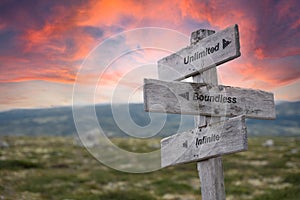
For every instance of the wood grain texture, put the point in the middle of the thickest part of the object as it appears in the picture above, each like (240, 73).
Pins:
(210, 171)
(203, 55)
(212, 179)
(198, 98)
(217, 139)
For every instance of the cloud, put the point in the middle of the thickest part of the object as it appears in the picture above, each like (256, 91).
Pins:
(2, 26)
(69, 32)
(261, 74)
(48, 40)
(288, 92)
(24, 69)
(278, 30)
(47, 37)
(269, 32)
(33, 94)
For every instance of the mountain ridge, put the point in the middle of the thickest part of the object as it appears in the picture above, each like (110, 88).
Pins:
(59, 121)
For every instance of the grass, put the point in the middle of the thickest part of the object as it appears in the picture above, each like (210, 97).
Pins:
(168, 186)
(18, 164)
(126, 195)
(292, 193)
(54, 168)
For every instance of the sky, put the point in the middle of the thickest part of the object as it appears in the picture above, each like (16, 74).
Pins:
(105, 48)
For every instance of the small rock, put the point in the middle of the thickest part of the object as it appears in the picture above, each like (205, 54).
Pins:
(4, 144)
(88, 139)
(294, 151)
(268, 143)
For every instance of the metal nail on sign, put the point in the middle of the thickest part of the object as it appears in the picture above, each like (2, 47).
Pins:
(209, 52)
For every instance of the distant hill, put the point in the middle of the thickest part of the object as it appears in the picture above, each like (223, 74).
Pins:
(287, 122)
(59, 121)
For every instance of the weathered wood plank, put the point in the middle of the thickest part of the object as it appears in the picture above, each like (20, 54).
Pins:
(217, 139)
(211, 170)
(195, 98)
(207, 53)
(212, 179)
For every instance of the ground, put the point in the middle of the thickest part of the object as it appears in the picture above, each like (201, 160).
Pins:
(55, 168)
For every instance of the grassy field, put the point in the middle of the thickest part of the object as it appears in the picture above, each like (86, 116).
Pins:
(54, 168)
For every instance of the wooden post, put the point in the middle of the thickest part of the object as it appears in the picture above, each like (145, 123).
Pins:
(210, 171)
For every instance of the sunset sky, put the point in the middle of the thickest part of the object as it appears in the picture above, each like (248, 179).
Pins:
(43, 45)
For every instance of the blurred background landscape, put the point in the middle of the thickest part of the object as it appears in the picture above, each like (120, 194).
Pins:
(59, 121)
(40, 158)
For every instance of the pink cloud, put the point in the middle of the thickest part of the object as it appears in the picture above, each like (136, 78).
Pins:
(52, 39)
(51, 46)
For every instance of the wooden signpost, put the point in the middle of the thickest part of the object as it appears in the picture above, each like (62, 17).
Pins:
(209, 101)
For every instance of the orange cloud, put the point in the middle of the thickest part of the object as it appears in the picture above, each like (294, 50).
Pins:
(2, 26)
(51, 46)
(259, 74)
(60, 79)
(21, 69)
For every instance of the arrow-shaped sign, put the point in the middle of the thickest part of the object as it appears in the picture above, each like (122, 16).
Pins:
(194, 98)
(221, 138)
(211, 51)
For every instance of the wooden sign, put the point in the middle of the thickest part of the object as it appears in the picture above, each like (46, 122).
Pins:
(207, 53)
(198, 98)
(217, 139)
